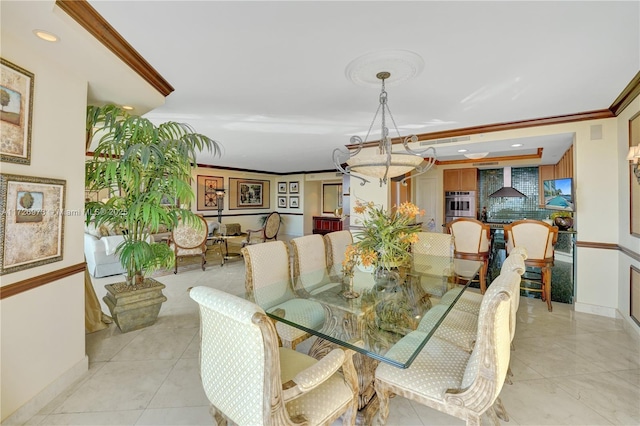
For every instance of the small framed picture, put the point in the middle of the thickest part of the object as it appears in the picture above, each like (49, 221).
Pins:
(282, 189)
(293, 188)
(282, 202)
(293, 202)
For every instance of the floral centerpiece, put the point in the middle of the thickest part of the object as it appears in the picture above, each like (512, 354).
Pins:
(386, 237)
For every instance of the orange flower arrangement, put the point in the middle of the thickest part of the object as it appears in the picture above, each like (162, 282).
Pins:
(385, 238)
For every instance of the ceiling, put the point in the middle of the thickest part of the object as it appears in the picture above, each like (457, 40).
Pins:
(267, 79)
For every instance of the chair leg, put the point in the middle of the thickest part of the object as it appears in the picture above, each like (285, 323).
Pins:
(175, 267)
(204, 260)
(499, 410)
(546, 286)
(483, 276)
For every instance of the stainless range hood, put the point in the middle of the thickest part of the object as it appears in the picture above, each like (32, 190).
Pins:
(507, 190)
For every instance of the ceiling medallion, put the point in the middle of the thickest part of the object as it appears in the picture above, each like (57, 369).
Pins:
(403, 65)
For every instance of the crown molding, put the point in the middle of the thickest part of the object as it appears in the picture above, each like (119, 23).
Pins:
(85, 15)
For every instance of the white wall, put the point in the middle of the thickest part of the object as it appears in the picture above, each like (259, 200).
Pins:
(42, 329)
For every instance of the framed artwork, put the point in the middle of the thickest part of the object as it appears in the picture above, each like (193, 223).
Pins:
(207, 187)
(16, 98)
(634, 298)
(34, 211)
(293, 187)
(293, 202)
(168, 200)
(249, 194)
(282, 188)
(90, 196)
(282, 202)
(634, 182)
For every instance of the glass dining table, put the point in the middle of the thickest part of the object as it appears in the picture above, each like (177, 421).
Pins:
(388, 308)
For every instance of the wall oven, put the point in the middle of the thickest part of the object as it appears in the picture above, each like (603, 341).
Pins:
(460, 204)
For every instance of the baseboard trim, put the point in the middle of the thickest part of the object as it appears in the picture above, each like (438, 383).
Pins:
(45, 396)
(602, 311)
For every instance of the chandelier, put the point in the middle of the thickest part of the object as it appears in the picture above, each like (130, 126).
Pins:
(384, 164)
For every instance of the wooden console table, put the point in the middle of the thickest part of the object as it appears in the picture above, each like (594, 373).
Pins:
(325, 224)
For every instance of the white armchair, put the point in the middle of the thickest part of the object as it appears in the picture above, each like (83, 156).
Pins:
(449, 379)
(310, 265)
(250, 381)
(268, 283)
(336, 244)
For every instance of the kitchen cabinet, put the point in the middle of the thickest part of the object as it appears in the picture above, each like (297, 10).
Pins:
(325, 224)
(563, 169)
(460, 179)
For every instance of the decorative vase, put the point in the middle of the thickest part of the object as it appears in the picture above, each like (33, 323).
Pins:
(349, 293)
(135, 307)
(563, 222)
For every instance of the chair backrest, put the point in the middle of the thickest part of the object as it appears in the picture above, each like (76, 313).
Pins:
(514, 263)
(272, 226)
(309, 262)
(470, 235)
(336, 244)
(190, 235)
(487, 367)
(239, 362)
(537, 237)
(433, 243)
(267, 273)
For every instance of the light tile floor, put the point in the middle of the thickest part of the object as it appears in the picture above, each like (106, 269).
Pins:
(569, 368)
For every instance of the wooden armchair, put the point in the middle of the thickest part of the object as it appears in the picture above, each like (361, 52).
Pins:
(189, 239)
(539, 239)
(269, 232)
(268, 283)
(472, 240)
(250, 381)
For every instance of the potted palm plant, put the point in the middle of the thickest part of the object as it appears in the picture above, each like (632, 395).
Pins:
(141, 165)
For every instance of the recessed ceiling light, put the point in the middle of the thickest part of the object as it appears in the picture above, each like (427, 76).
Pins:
(127, 107)
(516, 145)
(46, 35)
(462, 150)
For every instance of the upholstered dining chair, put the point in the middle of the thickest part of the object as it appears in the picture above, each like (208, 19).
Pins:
(432, 259)
(450, 379)
(268, 232)
(539, 239)
(310, 265)
(250, 381)
(268, 283)
(472, 240)
(336, 244)
(189, 239)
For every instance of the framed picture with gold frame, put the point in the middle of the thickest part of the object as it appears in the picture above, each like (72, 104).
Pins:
(249, 194)
(34, 211)
(16, 96)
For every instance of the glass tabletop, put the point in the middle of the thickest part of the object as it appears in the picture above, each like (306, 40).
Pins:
(412, 302)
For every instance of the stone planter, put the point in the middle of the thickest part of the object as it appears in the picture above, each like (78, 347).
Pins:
(135, 307)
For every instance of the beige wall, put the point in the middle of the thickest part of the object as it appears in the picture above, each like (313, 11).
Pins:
(42, 330)
(293, 220)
